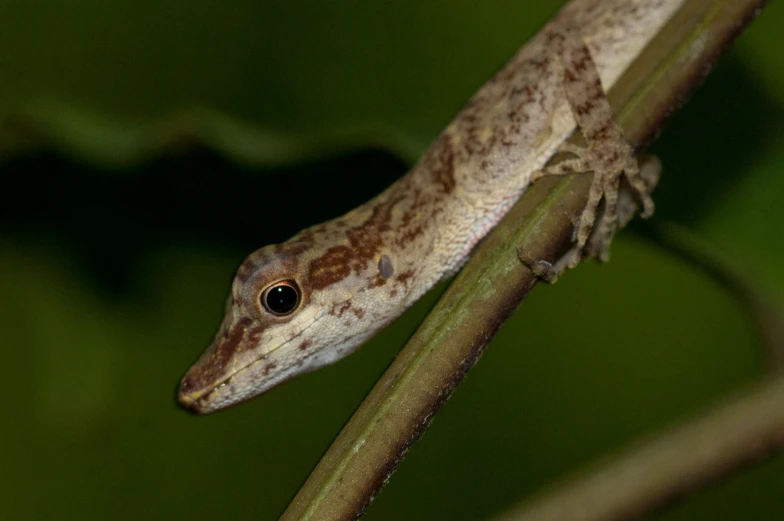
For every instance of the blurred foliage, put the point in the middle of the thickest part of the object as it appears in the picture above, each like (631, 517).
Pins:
(148, 146)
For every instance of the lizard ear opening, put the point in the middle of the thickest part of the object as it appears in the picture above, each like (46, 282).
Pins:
(281, 298)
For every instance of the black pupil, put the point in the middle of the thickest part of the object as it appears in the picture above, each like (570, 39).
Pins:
(282, 299)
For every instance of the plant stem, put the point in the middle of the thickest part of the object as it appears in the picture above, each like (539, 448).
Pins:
(741, 431)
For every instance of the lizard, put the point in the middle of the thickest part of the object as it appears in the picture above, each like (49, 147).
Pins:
(313, 299)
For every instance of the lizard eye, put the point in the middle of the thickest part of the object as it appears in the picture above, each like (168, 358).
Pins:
(281, 298)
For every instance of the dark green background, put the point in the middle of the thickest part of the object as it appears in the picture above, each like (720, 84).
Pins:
(148, 146)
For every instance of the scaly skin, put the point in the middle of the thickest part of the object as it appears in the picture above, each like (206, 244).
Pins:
(358, 272)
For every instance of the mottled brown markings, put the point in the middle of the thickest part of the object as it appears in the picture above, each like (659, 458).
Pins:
(377, 282)
(211, 370)
(527, 92)
(242, 275)
(299, 244)
(602, 133)
(408, 216)
(417, 200)
(582, 64)
(338, 309)
(520, 97)
(408, 236)
(230, 340)
(269, 367)
(333, 266)
(584, 109)
(524, 95)
(189, 383)
(541, 63)
(364, 243)
(246, 269)
(305, 344)
(254, 334)
(284, 255)
(421, 201)
(404, 277)
(440, 161)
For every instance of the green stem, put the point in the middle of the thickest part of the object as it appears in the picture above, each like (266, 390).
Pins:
(743, 430)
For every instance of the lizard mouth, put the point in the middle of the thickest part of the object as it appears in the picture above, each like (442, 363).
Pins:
(227, 392)
(209, 373)
(209, 385)
(196, 399)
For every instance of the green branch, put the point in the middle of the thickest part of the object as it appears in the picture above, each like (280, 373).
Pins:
(743, 430)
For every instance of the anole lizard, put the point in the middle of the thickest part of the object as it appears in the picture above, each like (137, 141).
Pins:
(315, 298)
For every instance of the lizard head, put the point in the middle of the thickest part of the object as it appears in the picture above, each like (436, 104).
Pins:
(289, 312)
(302, 304)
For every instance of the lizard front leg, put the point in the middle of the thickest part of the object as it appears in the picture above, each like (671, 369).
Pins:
(607, 153)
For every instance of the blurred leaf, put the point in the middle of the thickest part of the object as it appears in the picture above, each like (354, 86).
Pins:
(106, 82)
(761, 51)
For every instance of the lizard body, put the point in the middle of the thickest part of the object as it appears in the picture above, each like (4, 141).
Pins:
(313, 299)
